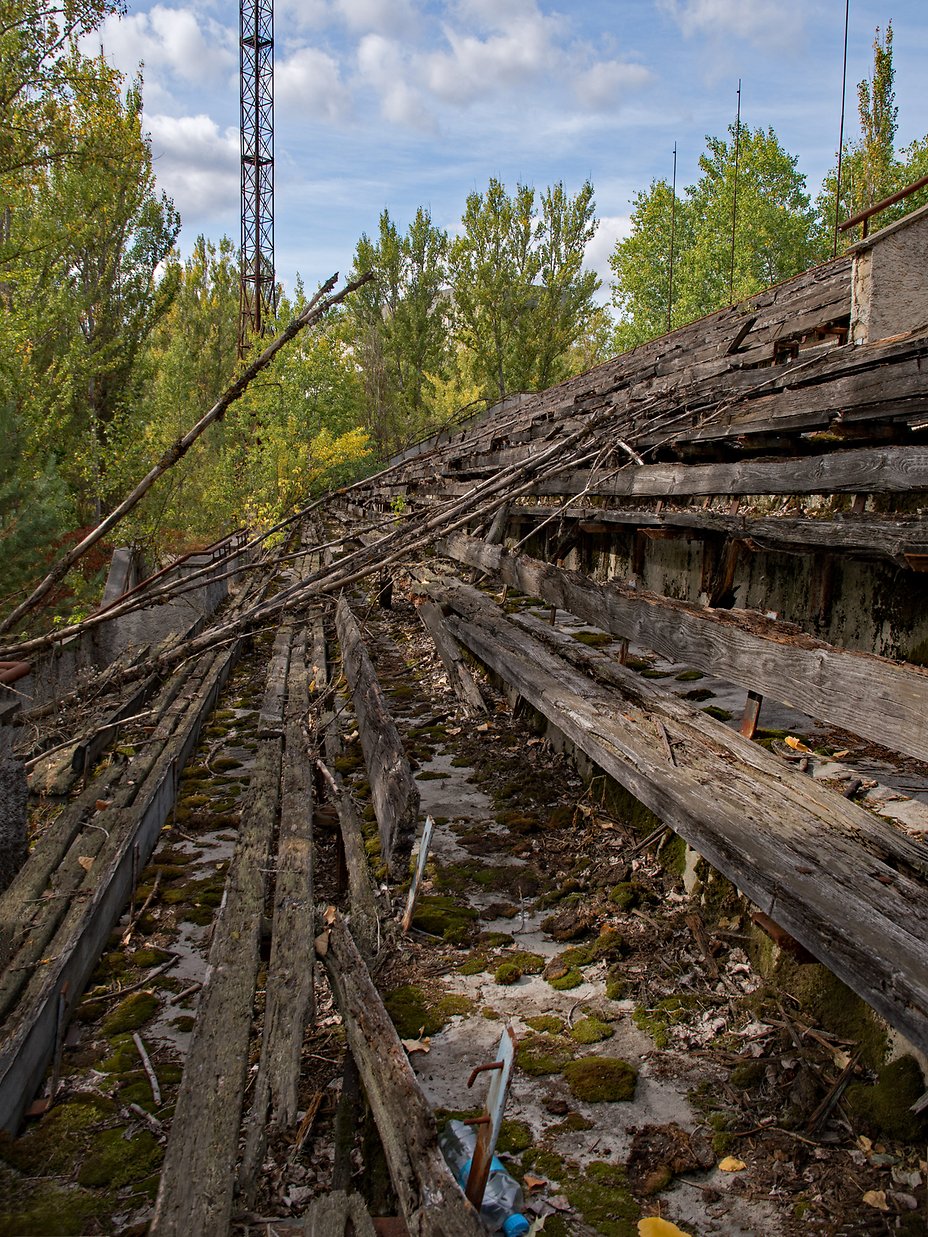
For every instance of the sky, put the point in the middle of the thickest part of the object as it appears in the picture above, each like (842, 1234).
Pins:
(404, 103)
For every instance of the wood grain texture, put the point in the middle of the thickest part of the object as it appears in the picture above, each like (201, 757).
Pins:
(820, 866)
(393, 791)
(871, 696)
(430, 1201)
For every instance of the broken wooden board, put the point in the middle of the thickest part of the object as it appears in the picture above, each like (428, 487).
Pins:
(197, 1178)
(430, 1200)
(865, 694)
(822, 867)
(393, 791)
(460, 678)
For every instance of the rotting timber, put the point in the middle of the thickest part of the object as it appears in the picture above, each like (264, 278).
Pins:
(637, 499)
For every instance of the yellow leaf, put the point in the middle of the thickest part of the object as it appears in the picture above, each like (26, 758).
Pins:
(796, 744)
(731, 1165)
(654, 1226)
(85, 861)
(877, 1199)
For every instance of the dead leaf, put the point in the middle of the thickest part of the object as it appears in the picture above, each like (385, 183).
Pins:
(329, 915)
(654, 1226)
(103, 804)
(841, 755)
(559, 1203)
(85, 861)
(876, 1199)
(797, 744)
(731, 1165)
(533, 1183)
(454, 730)
(417, 1045)
(485, 726)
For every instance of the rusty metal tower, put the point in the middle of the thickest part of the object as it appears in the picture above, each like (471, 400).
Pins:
(257, 295)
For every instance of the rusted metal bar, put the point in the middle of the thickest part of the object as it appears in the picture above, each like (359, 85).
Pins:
(865, 215)
(489, 1124)
(751, 714)
(11, 671)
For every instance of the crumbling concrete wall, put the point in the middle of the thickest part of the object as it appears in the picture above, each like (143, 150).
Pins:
(889, 293)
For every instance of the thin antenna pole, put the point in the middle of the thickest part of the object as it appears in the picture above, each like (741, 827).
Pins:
(734, 201)
(673, 223)
(834, 247)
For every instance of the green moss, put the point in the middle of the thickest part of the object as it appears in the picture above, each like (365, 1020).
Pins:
(184, 1023)
(573, 1123)
(528, 963)
(124, 1057)
(47, 1210)
(591, 1031)
(507, 973)
(431, 775)
(720, 715)
(597, 1080)
(146, 958)
(514, 1136)
(413, 1013)
(495, 940)
(460, 762)
(130, 1014)
(689, 676)
(600, 1193)
(673, 854)
(223, 763)
(117, 1161)
(545, 1162)
(491, 1014)
(543, 1054)
(52, 1146)
(474, 964)
(698, 694)
(616, 984)
(626, 894)
(667, 1013)
(594, 639)
(885, 1107)
(748, 1075)
(442, 916)
(546, 1022)
(571, 978)
(656, 674)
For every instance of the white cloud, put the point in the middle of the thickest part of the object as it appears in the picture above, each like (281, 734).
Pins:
(300, 15)
(521, 43)
(759, 21)
(383, 66)
(603, 86)
(612, 228)
(389, 17)
(310, 80)
(176, 41)
(196, 164)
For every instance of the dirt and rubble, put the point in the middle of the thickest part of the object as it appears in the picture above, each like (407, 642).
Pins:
(665, 1065)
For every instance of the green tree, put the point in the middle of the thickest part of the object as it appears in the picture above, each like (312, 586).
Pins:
(774, 236)
(398, 326)
(640, 263)
(521, 297)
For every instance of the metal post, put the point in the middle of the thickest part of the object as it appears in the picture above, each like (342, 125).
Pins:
(734, 202)
(834, 248)
(673, 221)
(257, 292)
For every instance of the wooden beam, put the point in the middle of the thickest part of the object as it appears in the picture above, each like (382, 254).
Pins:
(822, 867)
(393, 791)
(430, 1200)
(873, 470)
(871, 696)
(901, 538)
(197, 1179)
(460, 678)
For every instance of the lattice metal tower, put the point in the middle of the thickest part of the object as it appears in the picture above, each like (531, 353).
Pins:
(257, 297)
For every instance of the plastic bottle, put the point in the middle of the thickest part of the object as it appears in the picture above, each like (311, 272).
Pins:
(502, 1199)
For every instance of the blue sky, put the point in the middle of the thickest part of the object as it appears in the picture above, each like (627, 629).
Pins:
(402, 103)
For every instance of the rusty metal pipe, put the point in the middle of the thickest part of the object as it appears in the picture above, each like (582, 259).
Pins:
(11, 671)
(864, 215)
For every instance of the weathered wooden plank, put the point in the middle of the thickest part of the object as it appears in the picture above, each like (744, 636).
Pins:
(805, 856)
(289, 987)
(854, 534)
(460, 678)
(430, 1201)
(336, 1215)
(867, 695)
(197, 1179)
(393, 791)
(868, 470)
(121, 842)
